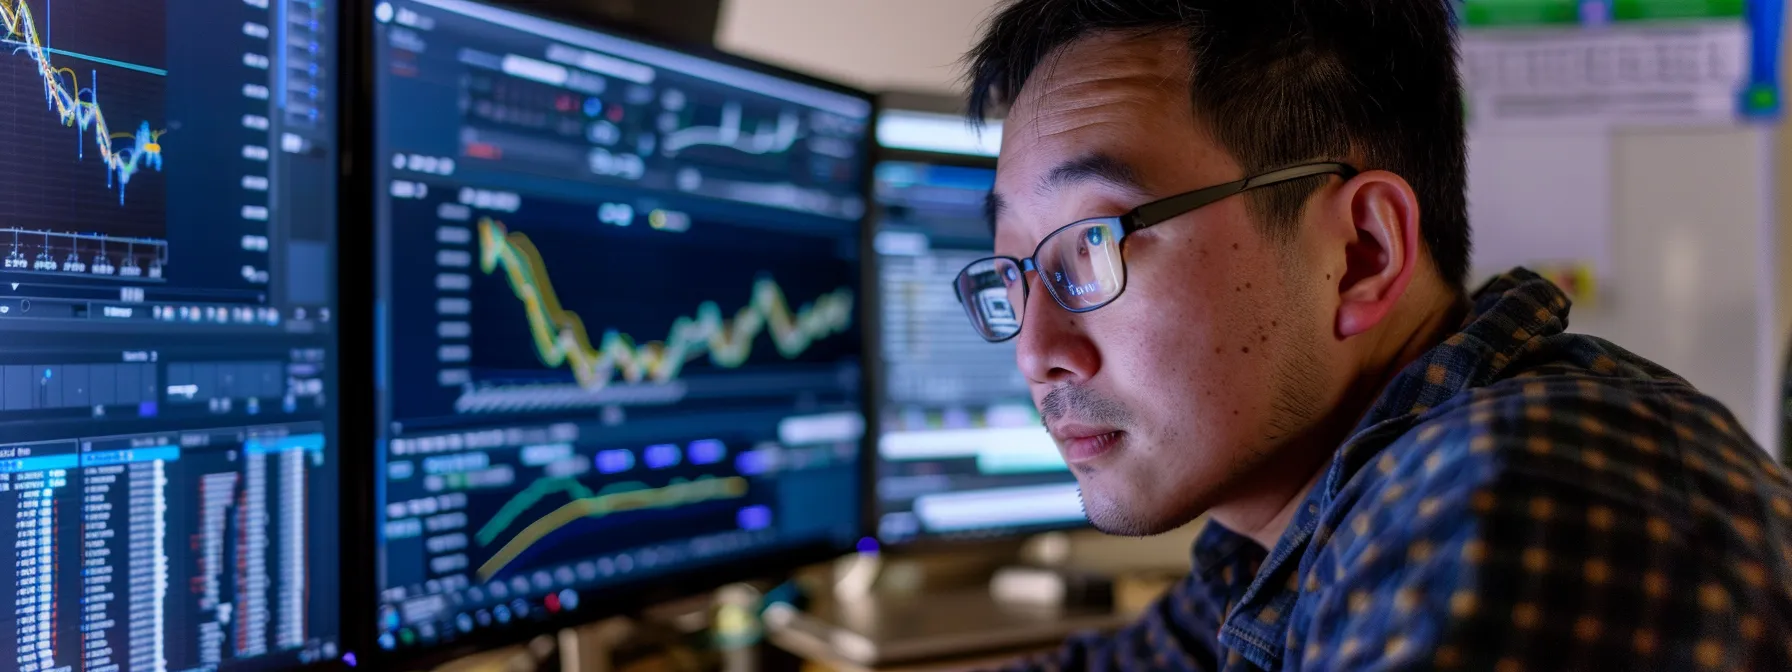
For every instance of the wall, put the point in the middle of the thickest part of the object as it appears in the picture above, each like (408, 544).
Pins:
(875, 44)
(1782, 246)
(1685, 288)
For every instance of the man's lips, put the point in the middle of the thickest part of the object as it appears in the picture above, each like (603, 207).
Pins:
(1084, 443)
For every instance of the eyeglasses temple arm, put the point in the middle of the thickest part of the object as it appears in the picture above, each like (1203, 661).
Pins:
(1158, 211)
(1297, 172)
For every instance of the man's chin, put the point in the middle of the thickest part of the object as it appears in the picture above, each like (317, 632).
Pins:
(1122, 526)
(1123, 519)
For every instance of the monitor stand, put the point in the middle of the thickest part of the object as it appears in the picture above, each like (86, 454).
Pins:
(868, 622)
(678, 635)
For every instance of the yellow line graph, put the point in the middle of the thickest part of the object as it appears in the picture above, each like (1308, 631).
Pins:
(63, 93)
(677, 494)
(560, 337)
(519, 504)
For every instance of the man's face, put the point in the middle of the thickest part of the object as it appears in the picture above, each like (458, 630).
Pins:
(1181, 390)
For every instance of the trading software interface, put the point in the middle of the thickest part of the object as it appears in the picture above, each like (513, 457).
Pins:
(618, 316)
(963, 452)
(167, 476)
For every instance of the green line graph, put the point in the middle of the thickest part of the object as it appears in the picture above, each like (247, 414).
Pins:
(632, 497)
(533, 494)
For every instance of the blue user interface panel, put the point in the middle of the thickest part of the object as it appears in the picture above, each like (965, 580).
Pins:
(618, 300)
(168, 466)
(963, 454)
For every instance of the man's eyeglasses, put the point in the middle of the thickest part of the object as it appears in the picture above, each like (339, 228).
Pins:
(1081, 264)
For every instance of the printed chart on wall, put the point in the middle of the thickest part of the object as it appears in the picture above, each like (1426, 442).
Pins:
(1546, 82)
(1549, 63)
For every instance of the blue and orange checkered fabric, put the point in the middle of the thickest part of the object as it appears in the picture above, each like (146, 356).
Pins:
(1519, 498)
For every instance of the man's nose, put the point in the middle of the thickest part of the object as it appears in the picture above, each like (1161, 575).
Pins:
(1052, 347)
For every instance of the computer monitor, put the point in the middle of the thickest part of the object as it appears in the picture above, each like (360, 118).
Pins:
(619, 297)
(962, 452)
(168, 449)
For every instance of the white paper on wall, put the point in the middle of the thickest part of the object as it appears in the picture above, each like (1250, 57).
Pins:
(1540, 199)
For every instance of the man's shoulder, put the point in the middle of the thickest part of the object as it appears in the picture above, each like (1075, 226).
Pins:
(1634, 436)
(1512, 397)
(1619, 428)
(1571, 446)
(1546, 501)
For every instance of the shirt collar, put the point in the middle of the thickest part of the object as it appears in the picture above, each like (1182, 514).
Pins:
(1215, 548)
(1511, 315)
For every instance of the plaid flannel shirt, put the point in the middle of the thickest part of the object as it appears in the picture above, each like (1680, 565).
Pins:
(1519, 498)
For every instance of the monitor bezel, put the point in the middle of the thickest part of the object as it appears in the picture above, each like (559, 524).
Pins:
(1002, 539)
(356, 315)
(361, 194)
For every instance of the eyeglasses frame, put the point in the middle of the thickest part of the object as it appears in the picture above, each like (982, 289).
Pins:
(1147, 215)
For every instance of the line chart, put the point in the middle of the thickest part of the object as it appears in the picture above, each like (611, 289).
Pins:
(124, 153)
(727, 133)
(533, 494)
(678, 493)
(561, 339)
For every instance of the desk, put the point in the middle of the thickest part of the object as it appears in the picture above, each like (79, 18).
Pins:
(821, 660)
(967, 664)
(1133, 593)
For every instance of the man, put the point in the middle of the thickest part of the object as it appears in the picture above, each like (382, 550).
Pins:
(1399, 474)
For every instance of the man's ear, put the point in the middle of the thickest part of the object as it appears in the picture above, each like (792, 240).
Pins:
(1382, 212)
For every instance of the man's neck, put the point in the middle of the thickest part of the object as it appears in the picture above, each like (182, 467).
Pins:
(1271, 502)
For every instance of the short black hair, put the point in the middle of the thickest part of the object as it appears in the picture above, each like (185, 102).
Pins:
(1281, 82)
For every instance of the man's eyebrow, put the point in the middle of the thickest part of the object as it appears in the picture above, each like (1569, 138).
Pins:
(1095, 167)
(993, 206)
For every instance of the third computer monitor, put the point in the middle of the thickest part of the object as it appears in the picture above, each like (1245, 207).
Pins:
(619, 320)
(963, 454)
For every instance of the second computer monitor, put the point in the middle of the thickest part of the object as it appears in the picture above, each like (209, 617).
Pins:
(963, 454)
(620, 338)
